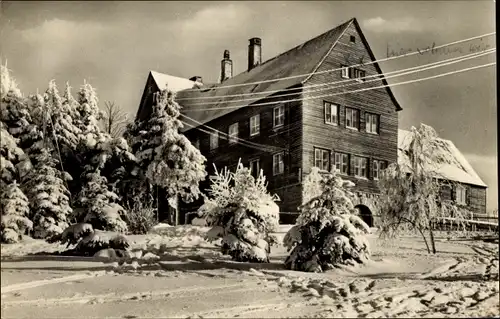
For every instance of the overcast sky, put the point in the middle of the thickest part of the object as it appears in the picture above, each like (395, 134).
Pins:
(113, 45)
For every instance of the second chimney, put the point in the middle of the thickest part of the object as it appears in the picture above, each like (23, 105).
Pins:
(254, 53)
(226, 67)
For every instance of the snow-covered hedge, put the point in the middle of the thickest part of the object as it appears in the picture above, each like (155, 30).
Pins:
(328, 232)
(242, 213)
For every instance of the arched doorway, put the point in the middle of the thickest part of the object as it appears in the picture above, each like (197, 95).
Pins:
(365, 214)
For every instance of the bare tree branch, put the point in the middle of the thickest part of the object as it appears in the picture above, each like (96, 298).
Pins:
(114, 120)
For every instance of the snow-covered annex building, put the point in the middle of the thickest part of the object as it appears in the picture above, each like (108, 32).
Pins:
(302, 121)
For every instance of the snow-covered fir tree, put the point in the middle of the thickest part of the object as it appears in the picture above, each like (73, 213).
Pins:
(327, 232)
(100, 206)
(14, 163)
(89, 114)
(167, 157)
(15, 210)
(48, 196)
(242, 213)
(15, 112)
(60, 114)
(312, 185)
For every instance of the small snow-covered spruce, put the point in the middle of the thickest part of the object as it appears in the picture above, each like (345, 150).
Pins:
(49, 198)
(328, 233)
(242, 213)
(167, 157)
(87, 241)
(15, 209)
(99, 205)
(410, 190)
(107, 164)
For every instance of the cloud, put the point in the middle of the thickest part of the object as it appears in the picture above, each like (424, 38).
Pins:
(396, 25)
(213, 23)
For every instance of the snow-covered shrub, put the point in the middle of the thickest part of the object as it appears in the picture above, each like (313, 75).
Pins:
(140, 217)
(49, 198)
(239, 209)
(87, 241)
(15, 209)
(327, 232)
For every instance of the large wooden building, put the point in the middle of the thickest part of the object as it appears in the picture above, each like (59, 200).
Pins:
(317, 114)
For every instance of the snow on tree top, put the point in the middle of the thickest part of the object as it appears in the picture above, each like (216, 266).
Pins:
(461, 171)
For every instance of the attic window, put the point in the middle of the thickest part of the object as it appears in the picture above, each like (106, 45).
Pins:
(353, 39)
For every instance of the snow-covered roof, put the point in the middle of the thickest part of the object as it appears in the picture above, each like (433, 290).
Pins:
(174, 83)
(292, 67)
(461, 172)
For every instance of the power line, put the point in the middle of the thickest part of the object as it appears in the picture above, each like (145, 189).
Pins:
(226, 138)
(221, 97)
(234, 138)
(356, 65)
(348, 92)
(401, 72)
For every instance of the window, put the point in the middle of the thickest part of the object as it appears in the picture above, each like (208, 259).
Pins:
(197, 143)
(322, 159)
(360, 167)
(378, 167)
(255, 125)
(353, 39)
(279, 116)
(352, 118)
(345, 72)
(278, 164)
(331, 113)
(372, 121)
(358, 74)
(214, 140)
(342, 163)
(255, 167)
(461, 195)
(233, 133)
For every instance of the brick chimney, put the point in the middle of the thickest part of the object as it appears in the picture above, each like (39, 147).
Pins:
(226, 67)
(254, 53)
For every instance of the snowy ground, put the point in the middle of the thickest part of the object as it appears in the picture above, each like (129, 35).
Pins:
(192, 279)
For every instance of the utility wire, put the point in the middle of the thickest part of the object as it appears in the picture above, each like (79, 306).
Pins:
(226, 138)
(401, 72)
(356, 65)
(378, 75)
(348, 92)
(241, 141)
